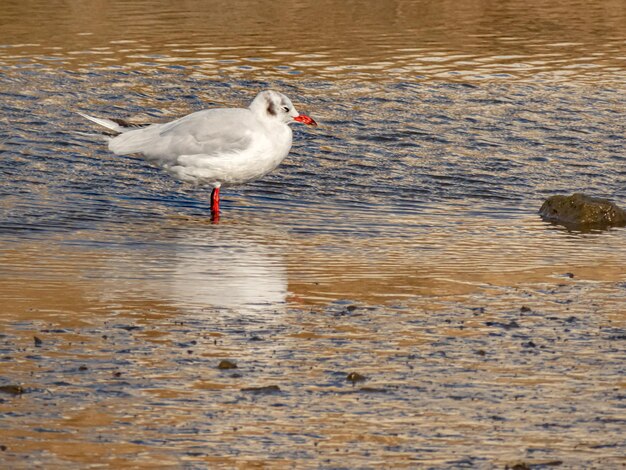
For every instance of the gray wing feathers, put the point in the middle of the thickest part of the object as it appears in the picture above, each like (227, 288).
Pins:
(210, 132)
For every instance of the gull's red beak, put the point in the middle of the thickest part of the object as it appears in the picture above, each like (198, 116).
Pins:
(304, 119)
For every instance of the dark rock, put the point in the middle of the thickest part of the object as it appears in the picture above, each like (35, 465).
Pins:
(518, 466)
(506, 326)
(372, 390)
(12, 389)
(531, 465)
(226, 364)
(355, 377)
(128, 327)
(582, 211)
(262, 390)
(37, 341)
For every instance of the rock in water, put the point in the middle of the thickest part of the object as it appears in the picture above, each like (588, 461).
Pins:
(582, 211)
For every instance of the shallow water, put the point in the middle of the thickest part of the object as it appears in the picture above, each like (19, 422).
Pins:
(443, 126)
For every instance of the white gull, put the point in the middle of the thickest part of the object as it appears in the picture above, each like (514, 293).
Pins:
(214, 147)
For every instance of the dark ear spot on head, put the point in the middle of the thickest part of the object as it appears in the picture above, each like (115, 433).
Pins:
(271, 109)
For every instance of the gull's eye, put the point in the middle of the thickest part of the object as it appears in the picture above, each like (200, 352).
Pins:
(286, 109)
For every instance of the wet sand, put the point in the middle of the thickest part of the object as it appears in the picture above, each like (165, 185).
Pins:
(528, 374)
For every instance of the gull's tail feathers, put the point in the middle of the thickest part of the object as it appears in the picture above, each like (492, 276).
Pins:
(117, 126)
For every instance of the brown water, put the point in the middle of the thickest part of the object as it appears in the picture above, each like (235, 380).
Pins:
(400, 239)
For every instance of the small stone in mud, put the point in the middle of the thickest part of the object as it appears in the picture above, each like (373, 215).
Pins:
(83, 368)
(518, 466)
(128, 327)
(530, 344)
(12, 389)
(355, 377)
(481, 352)
(117, 374)
(529, 466)
(226, 364)
(3, 448)
(570, 275)
(525, 309)
(372, 390)
(351, 308)
(506, 326)
(267, 389)
(38, 342)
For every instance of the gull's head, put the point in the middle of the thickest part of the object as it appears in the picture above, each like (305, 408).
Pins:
(272, 105)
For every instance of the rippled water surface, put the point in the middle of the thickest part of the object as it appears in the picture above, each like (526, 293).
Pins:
(400, 239)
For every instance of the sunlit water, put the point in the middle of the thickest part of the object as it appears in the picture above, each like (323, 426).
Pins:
(443, 127)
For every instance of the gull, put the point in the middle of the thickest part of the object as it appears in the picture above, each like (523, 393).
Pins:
(214, 147)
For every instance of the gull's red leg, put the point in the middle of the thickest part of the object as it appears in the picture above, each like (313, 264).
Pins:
(215, 205)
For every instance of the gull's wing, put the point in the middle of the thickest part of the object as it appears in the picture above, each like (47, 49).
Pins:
(210, 132)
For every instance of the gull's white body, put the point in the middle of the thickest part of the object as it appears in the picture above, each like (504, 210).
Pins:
(216, 146)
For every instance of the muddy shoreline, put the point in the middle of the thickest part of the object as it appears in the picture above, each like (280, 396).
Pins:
(534, 375)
